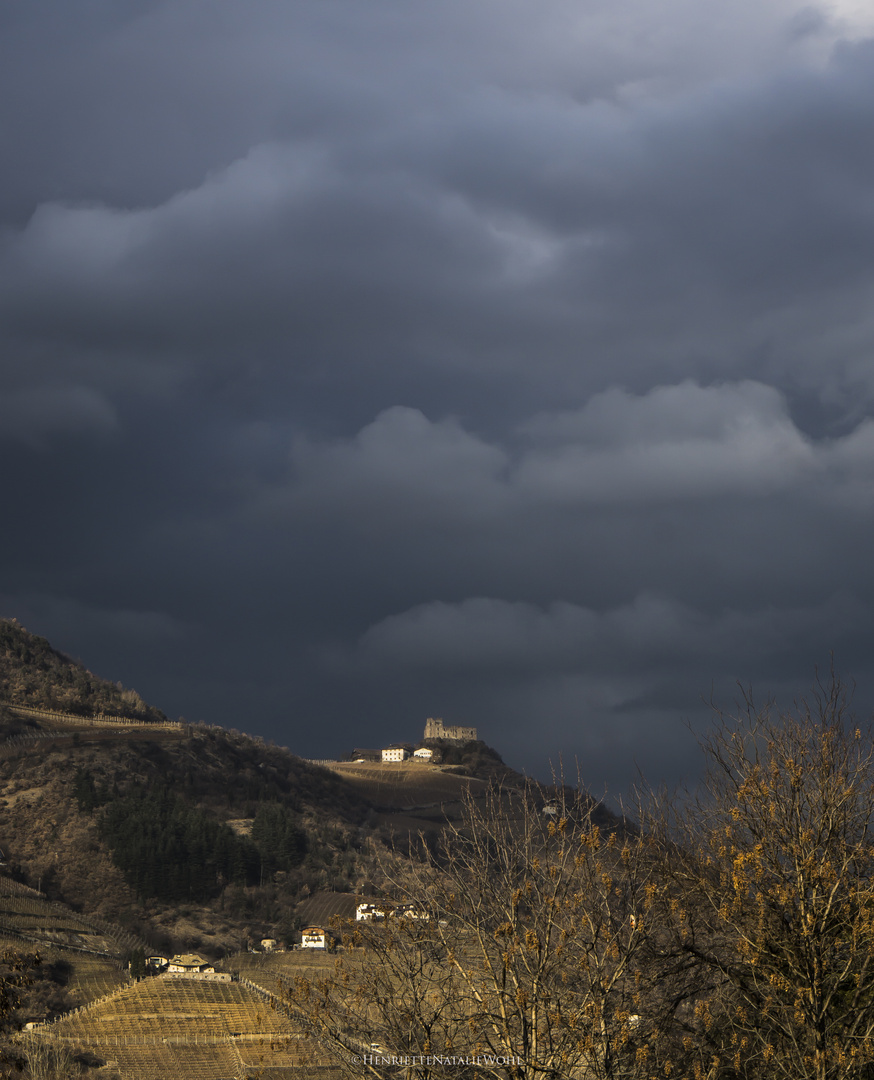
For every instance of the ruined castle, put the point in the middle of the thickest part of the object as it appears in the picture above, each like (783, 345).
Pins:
(436, 729)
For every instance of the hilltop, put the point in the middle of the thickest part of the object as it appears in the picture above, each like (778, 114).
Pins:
(193, 836)
(33, 673)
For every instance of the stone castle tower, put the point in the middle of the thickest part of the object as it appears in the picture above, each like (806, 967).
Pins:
(436, 729)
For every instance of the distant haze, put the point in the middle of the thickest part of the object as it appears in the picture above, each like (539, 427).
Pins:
(505, 362)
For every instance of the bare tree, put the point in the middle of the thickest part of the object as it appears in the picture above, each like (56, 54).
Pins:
(772, 873)
(531, 956)
(47, 1060)
(390, 996)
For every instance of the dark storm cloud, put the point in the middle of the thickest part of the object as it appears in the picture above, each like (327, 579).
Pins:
(361, 363)
(28, 414)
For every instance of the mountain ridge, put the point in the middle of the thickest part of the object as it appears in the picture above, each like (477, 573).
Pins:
(191, 836)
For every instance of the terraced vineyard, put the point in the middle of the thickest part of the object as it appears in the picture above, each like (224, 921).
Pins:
(27, 915)
(202, 1030)
(93, 977)
(87, 952)
(163, 1062)
(269, 969)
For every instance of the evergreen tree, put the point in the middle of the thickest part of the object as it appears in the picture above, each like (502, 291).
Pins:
(280, 842)
(173, 852)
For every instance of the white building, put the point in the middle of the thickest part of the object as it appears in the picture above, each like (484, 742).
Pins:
(424, 753)
(313, 937)
(395, 753)
(369, 912)
(410, 911)
(189, 963)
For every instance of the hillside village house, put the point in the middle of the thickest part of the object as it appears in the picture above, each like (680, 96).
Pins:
(268, 944)
(360, 754)
(313, 937)
(411, 911)
(369, 912)
(424, 753)
(395, 753)
(189, 963)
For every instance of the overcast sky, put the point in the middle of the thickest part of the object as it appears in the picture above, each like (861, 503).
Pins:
(502, 361)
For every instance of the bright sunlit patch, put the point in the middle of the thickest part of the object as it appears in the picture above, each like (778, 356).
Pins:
(855, 18)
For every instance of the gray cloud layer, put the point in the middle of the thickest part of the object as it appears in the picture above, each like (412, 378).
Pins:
(510, 363)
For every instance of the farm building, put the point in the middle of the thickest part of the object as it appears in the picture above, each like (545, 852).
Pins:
(395, 753)
(369, 912)
(359, 754)
(424, 753)
(314, 937)
(410, 911)
(384, 909)
(189, 962)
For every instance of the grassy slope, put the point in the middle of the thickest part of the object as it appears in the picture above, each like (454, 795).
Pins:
(403, 785)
